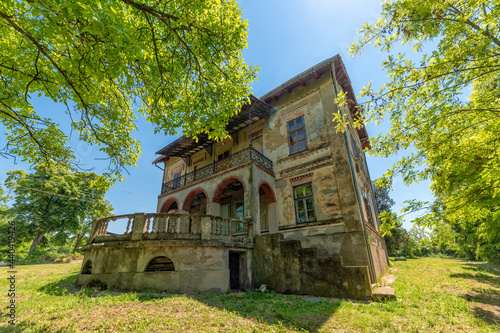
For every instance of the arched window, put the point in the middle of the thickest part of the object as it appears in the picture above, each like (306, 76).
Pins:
(160, 264)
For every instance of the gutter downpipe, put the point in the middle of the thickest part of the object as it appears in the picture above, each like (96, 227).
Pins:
(376, 209)
(353, 172)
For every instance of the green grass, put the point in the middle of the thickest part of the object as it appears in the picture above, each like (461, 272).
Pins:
(433, 295)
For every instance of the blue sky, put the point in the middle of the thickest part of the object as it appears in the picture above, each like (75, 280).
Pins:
(285, 38)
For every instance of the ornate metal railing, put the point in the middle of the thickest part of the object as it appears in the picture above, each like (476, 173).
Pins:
(234, 160)
(148, 225)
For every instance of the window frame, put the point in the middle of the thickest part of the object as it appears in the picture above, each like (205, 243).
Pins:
(355, 150)
(242, 203)
(295, 131)
(371, 219)
(176, 181)
(304, 200)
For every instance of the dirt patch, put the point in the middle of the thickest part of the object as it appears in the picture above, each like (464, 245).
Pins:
(388, 279)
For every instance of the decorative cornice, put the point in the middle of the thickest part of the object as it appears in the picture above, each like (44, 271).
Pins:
(302, 178)
(306, 167)
(302, 154)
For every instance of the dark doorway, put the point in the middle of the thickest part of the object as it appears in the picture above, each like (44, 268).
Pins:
(234, 270)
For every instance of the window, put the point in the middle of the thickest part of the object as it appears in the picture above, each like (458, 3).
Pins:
(297, 135)
(239, 210)
(368, 209)
(304, 204)
(223, 155)
(354, 147)
(177, 181)
(239, 214)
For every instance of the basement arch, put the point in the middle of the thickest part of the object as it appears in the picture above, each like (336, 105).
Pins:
(160, 264)
(87, 268)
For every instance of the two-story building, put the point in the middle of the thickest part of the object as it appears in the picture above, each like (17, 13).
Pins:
(284, 201)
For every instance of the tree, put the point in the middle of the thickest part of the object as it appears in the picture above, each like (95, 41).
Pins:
(445, 107)
(100, 209)
(4, 225)
(54, 201)
(396, 237)
(181, 59)
(382, 199)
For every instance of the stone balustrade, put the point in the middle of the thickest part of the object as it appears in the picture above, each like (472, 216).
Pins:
(141, 226)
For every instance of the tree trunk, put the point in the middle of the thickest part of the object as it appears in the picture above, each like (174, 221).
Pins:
(79, 239)
(38, 238)
(81, 235)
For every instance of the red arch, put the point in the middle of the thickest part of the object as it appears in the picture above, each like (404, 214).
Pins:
(190, 197)
(167, 204)
(222, 185)
(268, 191)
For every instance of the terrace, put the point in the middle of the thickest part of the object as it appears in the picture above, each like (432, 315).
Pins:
(141, 226)
(239, 158)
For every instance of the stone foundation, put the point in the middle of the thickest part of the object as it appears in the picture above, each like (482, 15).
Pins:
(284, 266)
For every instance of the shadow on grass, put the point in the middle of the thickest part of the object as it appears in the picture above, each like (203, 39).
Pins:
(22, 326)
(302, 313)
(295, 312)
(486, 301)
(482, 266)
(486, 306)
(482, 272)
(61, 287)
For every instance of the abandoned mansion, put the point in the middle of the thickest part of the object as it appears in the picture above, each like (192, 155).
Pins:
(285, 201)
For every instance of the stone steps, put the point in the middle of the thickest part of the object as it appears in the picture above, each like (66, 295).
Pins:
(383, 293)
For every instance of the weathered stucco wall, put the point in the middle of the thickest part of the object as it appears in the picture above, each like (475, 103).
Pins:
(327, 165)
(199, 266)
(285, 266)
(348, 245)
(326, 158)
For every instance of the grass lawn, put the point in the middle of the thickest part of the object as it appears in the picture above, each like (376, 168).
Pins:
(433, 295)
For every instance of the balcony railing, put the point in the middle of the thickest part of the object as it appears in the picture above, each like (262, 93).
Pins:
(142, 226)
(234, 160)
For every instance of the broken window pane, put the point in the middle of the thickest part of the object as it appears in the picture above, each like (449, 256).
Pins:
(297, 135)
